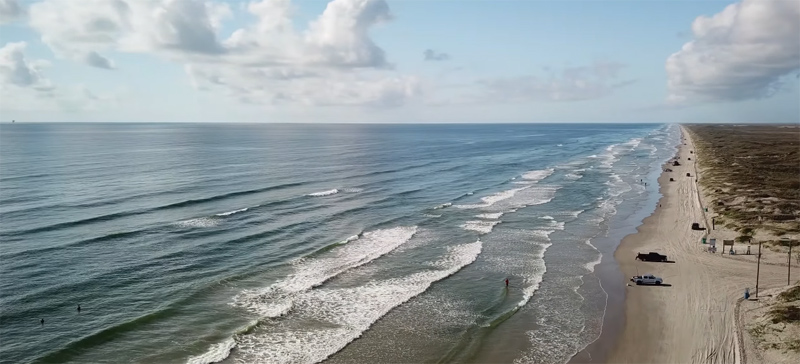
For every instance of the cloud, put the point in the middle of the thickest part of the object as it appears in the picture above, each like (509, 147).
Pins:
(740, 53)
(333, 62)
(570, 84)
(431, 55)
(80, 30)
(18, 71)
(10, 11)
(24, 87)
(304, 86)
(267, 61)
(96, 60)
(181, 26)
(340, 35)
(188, 30)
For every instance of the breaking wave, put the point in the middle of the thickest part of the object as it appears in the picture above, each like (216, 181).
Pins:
(324, 193)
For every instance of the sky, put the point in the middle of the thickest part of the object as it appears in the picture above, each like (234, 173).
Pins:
(400, 61)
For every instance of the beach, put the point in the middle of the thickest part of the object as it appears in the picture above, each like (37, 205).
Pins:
(695, 315)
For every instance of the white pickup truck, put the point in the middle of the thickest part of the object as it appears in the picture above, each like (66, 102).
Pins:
(647, 279)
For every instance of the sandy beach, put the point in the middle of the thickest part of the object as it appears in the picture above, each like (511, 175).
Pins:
(694, 316)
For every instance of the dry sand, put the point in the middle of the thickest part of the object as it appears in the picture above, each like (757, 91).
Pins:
(694, 316)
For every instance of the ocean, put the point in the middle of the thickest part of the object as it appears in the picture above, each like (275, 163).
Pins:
(279, 243)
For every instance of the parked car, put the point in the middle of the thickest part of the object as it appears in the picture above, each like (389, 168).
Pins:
(651, 257)
(647, 279)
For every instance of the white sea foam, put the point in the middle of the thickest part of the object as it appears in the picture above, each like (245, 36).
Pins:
(352, 238)
(277, 299)
(617, 186)
(575, 175)
(608, 207)
(543, 234)
(525, 264)
(200, 222)
(608, 159)
(526, 196)
(443, 206)
(538, 175)
(633, 143)
(500, 196)
(481, 226)
(216, 353)
(547, 217)
(324, 193)
(492, 216)
(492, 199)
(532, 282)
(343, 314)
(590, 266)
(432, 215)
(557, 225)
(536, 195)
(353, 190)
(232, 212)
(576, 213)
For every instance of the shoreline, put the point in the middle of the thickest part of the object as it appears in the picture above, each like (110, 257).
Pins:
(610, 273)
(692, 316)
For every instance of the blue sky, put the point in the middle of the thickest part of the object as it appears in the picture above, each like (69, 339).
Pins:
(364, 61)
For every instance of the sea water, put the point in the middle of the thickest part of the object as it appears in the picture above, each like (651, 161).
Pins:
(280, 243)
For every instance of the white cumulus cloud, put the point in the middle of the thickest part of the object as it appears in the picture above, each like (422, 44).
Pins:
(16, 70)
(23, 85)
(739, 53)
(332, 61)
(80, 30)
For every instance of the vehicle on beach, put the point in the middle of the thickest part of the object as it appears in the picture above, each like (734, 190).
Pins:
(647, 279)
(696, 226)
(651, 257)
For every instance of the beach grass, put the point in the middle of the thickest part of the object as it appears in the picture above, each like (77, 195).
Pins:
(785, 314)
(792, 294)
(752, 174)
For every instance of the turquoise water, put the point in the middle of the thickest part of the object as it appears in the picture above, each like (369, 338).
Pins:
(286, 243)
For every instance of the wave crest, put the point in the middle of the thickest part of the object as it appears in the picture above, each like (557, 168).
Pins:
(324, 193)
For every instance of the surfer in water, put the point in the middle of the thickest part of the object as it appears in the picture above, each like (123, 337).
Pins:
(506, 282)
(42, 322)
(79, 308)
